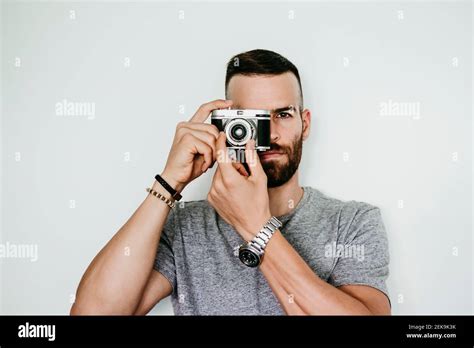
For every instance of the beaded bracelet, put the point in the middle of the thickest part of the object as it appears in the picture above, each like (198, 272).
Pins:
(168, 201)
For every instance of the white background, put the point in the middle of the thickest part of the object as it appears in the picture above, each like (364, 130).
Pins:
(352, 57)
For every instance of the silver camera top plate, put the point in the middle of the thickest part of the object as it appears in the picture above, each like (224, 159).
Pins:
(233, 113)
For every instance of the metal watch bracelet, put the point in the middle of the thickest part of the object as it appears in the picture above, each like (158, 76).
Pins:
(251, 253)
(262, 238)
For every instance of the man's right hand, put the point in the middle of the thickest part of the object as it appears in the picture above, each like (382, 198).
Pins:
(102, 290)
(193, 150)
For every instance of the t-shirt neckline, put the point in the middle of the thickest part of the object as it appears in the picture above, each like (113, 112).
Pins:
(306, 193)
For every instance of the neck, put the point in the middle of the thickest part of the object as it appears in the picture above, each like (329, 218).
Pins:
(285, 198)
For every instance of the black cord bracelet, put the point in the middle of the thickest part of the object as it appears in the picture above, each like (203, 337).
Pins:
(174, 194)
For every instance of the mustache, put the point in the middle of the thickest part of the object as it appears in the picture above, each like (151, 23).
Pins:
(276, 147)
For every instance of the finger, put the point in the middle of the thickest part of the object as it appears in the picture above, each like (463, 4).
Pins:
(204, 110)
(217, 177)
(205, 127)
(240, 168)
(199, 147)
(217, 181)
(184, 127)
(225, 163)
(252, 159)
(206, 137)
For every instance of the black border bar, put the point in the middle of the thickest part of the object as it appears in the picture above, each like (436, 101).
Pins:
(246, 330)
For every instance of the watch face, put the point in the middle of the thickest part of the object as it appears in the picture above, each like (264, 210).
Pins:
(249, 257)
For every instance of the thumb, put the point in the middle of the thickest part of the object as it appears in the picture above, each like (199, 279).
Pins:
(252, 159)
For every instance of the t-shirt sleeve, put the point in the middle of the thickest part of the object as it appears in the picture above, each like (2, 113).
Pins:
(363, 258)
(164, 260)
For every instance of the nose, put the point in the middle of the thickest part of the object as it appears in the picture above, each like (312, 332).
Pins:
(274, 136)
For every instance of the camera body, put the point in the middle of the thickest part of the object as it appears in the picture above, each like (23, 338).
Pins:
(241, 125)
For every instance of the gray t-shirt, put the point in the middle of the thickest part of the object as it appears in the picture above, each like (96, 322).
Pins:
(343, 242)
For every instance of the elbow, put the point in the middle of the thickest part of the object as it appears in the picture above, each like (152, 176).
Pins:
(76, 310)
(379, 310)
(90, 308)
(84, 309)
(99, 309)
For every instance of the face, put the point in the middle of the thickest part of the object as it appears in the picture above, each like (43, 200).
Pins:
(289, 126)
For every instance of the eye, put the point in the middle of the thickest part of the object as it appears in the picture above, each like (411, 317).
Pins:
(284, 115)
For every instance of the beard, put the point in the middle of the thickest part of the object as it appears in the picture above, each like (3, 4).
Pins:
(279, 172)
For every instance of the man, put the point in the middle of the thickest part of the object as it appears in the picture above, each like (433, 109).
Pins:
(305, 267)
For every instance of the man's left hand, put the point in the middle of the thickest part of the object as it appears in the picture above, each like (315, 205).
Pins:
(240, 198)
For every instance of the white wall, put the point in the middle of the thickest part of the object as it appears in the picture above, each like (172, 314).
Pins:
(353, 57)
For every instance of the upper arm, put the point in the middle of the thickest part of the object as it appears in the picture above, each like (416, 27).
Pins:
(375, 300)
(362, 266)
(156, 289)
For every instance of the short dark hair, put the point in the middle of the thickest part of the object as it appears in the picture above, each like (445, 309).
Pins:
(261, 62)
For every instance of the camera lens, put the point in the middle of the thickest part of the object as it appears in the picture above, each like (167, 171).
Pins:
(239, 132)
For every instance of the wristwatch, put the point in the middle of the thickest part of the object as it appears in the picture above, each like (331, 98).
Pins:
(251, 253)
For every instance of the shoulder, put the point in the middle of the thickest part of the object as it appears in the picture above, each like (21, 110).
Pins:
(351, 214)
(346, 208)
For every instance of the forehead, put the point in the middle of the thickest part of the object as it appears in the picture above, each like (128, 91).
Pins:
(263, 91)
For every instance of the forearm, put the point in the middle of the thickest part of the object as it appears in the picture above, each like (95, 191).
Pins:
(286, 299)
(115, 280)
(290, 277)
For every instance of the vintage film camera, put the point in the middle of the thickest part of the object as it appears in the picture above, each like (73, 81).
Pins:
(241, 125)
